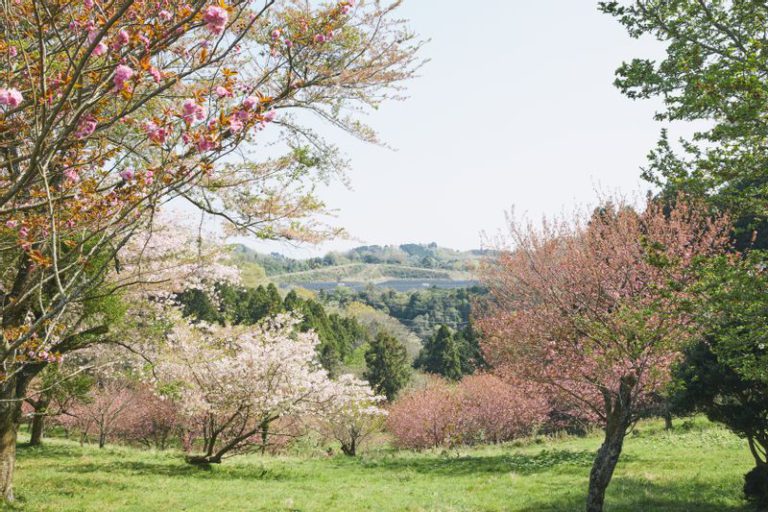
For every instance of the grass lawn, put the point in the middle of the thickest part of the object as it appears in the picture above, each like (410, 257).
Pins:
(696, 467)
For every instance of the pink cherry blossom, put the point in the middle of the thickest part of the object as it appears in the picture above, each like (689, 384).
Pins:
(275, 34)
(270, 116)
(122, 74)
(123, 38)
(235, 125)
(99, 50)
(127, 174)
(11, 97)
(156, 74)
(250, 102)
(71, 175)
(11, 224)
(223, 92)
(193, 111)
(165, 15)
(215, 18)
(204, 143)
(12, 52)
(86, 127)
(156, 134)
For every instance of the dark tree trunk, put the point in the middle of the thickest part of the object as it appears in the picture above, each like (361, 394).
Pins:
(349, 449)
(11, 395)
(668, 420)
(264, 437)
(618, 421)
(38, 426)
(8, 428)
(203, 460)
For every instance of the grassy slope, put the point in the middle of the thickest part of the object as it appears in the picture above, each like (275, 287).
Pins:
(697, 469)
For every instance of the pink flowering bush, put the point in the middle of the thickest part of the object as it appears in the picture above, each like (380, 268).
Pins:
(426, 418)
(479, 409)
(151, 420)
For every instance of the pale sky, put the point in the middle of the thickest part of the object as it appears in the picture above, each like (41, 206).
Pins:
(515, 109)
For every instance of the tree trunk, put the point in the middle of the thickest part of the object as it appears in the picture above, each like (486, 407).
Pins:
(349, 449)
(264, 437)
(668, 420)
(38, 426)
(203, 460)
(10, 416)
(618, 421)
(602, 469)
(7, 457)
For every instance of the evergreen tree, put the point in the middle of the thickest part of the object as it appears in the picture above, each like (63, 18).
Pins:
(387, 370)
(441, 355)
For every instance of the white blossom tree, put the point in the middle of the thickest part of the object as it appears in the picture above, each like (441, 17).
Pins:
(235, 382)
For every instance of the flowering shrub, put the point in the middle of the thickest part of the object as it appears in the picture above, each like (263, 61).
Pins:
(480, 408)
(151, 420)
(493, 410)
(426, 418)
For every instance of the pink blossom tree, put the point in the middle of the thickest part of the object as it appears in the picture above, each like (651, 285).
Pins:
(151, 419)
(588, 309)
(110, 109)
(101, 411)
(426, 418)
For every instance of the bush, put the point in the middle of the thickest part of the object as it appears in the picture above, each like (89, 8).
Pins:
(150, 420)
(496, 411)
(481, 408)
(426, 418)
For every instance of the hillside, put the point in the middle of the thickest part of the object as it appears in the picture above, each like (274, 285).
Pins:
(408, 266)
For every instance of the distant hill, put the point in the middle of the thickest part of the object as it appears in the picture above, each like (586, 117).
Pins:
(425, 264)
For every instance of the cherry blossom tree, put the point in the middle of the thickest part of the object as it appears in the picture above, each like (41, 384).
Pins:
(151, 419)
(101, 410)
(426, 418)
(111, 109)
(588, 308)
(495, 411)
(354, 416)
(236, 381)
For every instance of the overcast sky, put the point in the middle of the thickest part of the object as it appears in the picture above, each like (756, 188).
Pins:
(515, 109)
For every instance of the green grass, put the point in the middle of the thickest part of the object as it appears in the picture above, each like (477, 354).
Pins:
(698, 467)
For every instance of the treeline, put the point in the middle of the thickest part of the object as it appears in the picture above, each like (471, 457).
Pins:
(428, 256)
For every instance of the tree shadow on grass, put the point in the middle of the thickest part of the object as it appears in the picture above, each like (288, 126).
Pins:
(180, 469)
(506, 463)
(632, 494)
(164, 465)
